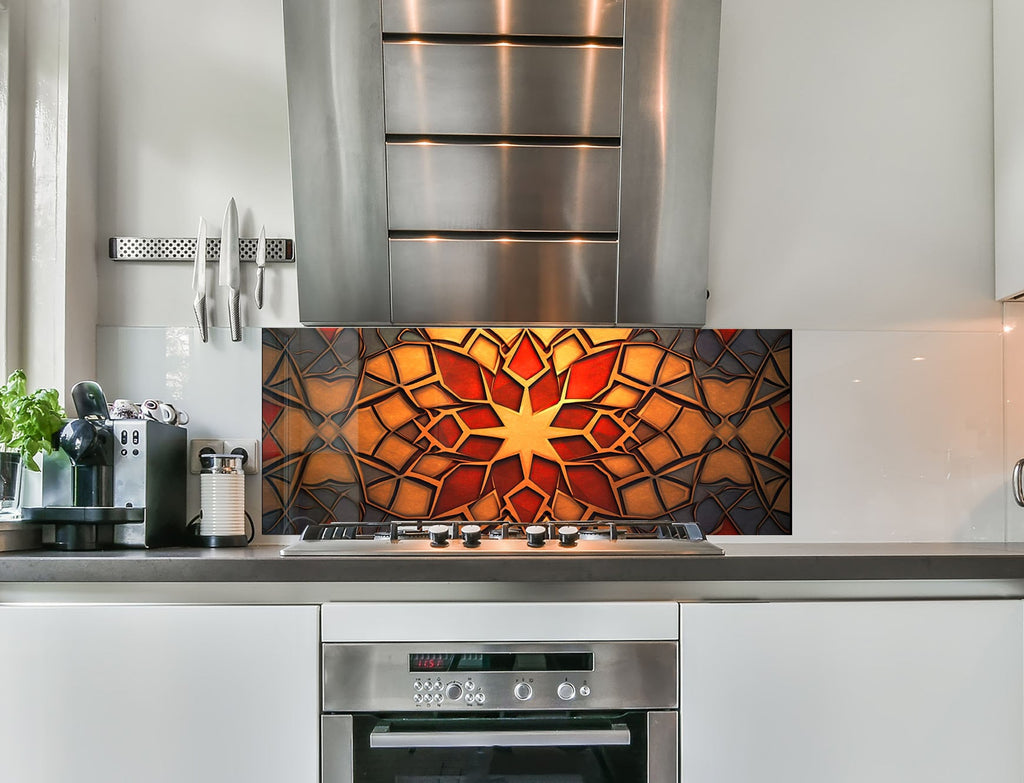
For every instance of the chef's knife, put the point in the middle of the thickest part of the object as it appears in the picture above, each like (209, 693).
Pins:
(229, 275)
(199, 281)
(261, 261)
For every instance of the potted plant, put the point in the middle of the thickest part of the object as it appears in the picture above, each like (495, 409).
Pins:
(28, 422)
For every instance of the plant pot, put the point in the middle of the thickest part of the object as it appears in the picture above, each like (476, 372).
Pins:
(11, 469)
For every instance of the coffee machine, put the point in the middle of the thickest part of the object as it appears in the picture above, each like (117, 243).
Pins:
(113, 483)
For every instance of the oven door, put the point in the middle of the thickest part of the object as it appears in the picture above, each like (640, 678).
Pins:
(526, 748)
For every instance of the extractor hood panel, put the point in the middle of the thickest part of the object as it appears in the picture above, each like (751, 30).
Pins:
(479, 161)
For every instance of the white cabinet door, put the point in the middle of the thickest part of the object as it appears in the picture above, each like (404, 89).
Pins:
(162, 694)
(886, 692)
(1008, 151)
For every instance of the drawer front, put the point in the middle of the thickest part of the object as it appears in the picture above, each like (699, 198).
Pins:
(504, 17)
(518, 281)
(500, 187)
(502, 89)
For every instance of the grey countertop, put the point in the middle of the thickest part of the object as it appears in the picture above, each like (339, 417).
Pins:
(749, 570)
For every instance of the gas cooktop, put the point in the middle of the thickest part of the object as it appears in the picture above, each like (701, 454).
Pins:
(464, 539)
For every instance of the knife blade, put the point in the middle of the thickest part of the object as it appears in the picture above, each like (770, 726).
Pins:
(261, 262)
(229, 274)
(199, 281)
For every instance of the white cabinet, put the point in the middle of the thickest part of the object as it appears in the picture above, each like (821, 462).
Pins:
(843, 692)
(1008, 151)
(162, 694)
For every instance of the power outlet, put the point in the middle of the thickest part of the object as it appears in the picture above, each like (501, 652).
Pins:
(249, 449)
(199, 446)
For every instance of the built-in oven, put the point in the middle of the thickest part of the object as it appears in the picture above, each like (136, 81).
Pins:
(522, 712)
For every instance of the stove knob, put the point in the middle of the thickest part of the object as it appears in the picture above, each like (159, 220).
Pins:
(438, 535)
(568, 535)
(453, 692)
(471, 535)
(522, 691)
(566, 691)
(535, 535)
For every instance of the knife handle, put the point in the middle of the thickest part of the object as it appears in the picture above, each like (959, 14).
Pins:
(199, 306)
(258, 293)
(234, 316)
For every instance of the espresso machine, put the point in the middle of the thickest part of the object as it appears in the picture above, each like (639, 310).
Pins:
(112, 483)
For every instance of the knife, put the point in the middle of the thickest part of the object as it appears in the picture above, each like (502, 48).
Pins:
(229, 275)
(261, 261)
(199, 281)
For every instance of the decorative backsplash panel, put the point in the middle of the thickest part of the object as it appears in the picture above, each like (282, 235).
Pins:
(527, 424)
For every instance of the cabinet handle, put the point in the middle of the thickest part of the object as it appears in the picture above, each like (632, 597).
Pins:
(1018, 486)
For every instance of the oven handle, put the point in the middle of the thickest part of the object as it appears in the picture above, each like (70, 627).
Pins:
(383, 737)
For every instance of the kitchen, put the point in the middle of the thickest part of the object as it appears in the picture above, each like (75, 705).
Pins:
(852, 202)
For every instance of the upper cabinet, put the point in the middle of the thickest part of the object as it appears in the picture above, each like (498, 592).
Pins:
(1008, 119)
(516, 161)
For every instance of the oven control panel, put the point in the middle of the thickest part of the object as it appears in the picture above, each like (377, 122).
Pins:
(482, 677)
(548, 692)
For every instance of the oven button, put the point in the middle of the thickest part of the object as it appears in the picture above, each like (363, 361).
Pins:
(522, 691)
(453, 691)
(566, 691)
(479, 698)
(438, 698)
(417, 686)
(469, 698)
(470, 685)
(417, 699)
(584, 690)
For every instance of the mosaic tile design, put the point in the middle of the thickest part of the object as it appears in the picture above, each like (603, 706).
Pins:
(527, 424)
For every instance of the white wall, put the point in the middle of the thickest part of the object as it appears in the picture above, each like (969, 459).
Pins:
(852, 203)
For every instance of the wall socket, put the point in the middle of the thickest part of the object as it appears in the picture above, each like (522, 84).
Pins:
(248, 447)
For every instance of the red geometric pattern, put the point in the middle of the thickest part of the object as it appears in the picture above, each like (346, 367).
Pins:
(527, 425)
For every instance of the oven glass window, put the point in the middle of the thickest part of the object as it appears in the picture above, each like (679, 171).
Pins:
(554, 749)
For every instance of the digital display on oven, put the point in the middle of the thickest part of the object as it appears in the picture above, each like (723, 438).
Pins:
(502, 662)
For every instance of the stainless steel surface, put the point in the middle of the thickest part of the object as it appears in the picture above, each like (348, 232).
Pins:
(16, 536)
(228, 268)
(199, 282)
(510, 547)
(383, 737)
(261, 262)
(590, 18)
(502, 187)
(169, 249)
(336, 751)
(668, 129)
(662, 747)
(150, 469)
(492, 89)
(522, 110)
(510, 281)
(221, 463)
(335, 77)
(376, 677)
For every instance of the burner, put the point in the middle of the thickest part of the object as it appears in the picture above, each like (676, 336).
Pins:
(481, 539)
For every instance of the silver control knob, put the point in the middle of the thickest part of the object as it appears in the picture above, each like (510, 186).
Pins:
(417, 686)
(522, 691)
(438, 535)
(453, 691)
(535, 535)
(479, 698)
(584, 690)
(566, 691)
(470, 685)
(471, 536)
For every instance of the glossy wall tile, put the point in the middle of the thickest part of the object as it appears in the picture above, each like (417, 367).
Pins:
(527, 425)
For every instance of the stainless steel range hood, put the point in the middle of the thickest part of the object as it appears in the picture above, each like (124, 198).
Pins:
(502, 161)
